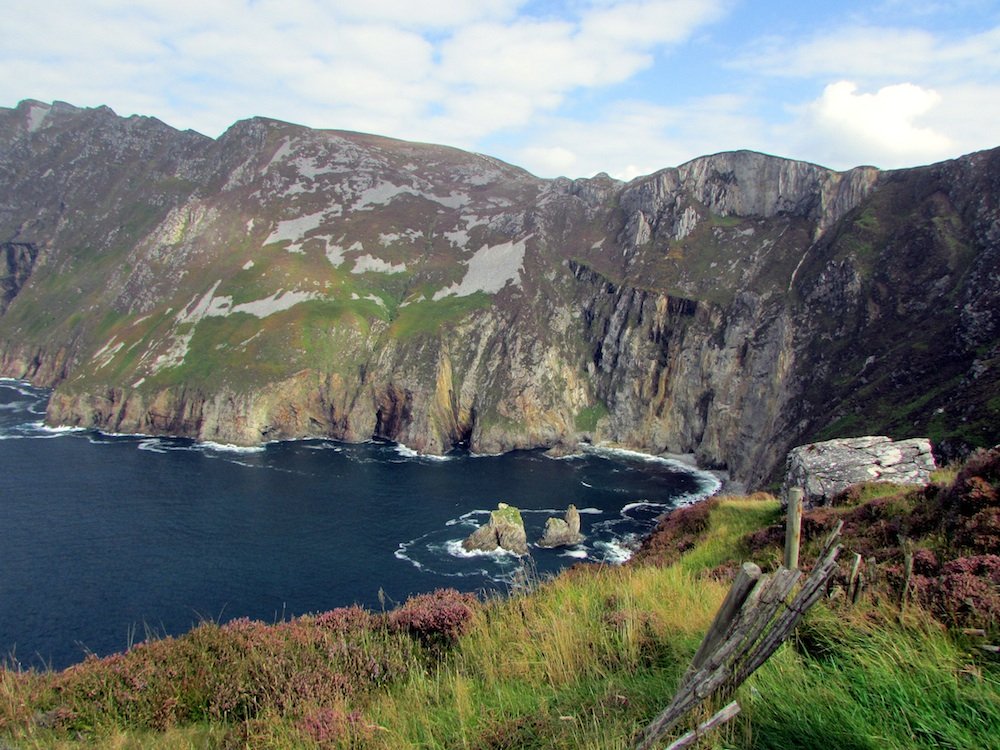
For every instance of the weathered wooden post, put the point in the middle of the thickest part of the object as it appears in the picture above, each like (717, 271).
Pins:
(793, 528)
(855, 581)
(907, 570)
(746, 579)
(752, 623)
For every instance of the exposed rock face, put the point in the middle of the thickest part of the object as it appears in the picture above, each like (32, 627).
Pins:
(505, 530)
(17, 261)
(824, 469)
(281, 282)
(562, 532)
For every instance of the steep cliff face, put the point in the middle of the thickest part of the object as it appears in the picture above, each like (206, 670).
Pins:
(281, 282)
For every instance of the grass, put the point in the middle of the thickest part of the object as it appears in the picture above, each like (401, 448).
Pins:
(588, 417)
(428, 316)
(583, 660)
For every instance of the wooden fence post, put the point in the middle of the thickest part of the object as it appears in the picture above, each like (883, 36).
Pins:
(746, 579)
(793, 528)
(754, 620)
(854, 582)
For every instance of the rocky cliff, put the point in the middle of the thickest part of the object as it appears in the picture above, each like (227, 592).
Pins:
(281, 282)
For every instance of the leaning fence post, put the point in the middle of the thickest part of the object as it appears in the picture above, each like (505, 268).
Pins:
(746, 579)
(793, 528)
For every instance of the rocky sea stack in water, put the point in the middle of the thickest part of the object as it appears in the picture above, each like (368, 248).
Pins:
(562, 532)
(505, 530)
(280, 282)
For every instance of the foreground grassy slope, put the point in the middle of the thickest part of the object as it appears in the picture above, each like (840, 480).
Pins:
(581, 661)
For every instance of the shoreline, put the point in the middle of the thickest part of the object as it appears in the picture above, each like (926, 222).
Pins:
(558, 451)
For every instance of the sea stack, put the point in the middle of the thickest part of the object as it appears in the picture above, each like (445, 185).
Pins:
(562, 532)
(505, 530)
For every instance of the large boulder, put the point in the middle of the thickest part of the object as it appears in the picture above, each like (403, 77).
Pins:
(824, 469)
(562, 532)
(505, 530)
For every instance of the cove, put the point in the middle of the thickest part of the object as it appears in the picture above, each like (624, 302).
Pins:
(106, 540)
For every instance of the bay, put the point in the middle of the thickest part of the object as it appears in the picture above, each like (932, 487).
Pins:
(106, 540)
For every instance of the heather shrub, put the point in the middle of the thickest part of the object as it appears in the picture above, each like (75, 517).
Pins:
(331, 727)
(346, 619)
(676, 534)
(968, 591)
(436, 618)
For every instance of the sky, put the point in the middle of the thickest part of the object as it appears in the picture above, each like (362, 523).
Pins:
(571, 87)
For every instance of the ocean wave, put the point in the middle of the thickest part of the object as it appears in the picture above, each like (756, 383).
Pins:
(229, 447)
(407, 452)
(55, 431)
(454, 548)
(614, 551)
(645, 504)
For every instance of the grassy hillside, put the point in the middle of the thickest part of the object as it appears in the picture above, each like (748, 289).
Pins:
(586, 659)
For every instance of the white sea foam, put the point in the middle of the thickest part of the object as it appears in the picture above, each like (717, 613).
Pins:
(615, 551)
(407, 452)
(55, 431)
(579, 554)
(709, 483)
(230, 448)
(644, 504)
(455, 549)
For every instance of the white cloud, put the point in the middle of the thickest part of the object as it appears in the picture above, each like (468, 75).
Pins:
(632, 138)
(876, 53)
(884, 128)
(447, 70)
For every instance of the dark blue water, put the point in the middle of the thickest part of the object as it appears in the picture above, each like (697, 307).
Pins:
(105, 539)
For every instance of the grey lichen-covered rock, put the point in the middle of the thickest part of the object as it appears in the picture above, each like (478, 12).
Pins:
(824, 469)
(562, 532)
(505, 530)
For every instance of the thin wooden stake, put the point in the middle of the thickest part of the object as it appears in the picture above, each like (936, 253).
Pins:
(793, 528)
(693, 736)
(853, 586)
(907, 570)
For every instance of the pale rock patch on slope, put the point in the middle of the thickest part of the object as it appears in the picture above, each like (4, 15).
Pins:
(335, 252)
(277, 302)
(283, 151)
(179, 343)
(180, 224)
(294, 230)
(384, 192)
(369, 263)
(37, 113)
(490, 269)
(371, 297)
(459, 238)
(409, 235)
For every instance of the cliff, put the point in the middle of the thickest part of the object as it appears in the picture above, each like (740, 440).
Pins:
(281, 282)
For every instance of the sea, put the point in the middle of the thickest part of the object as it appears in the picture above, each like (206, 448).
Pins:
(107, 540)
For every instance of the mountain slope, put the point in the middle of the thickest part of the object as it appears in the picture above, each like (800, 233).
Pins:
(281, 282)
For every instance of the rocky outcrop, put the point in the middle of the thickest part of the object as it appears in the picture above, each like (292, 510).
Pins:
(505, 530)
(562, 532)
(824, 469)
(17, 261)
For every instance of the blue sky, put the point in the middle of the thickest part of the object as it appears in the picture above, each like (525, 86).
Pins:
(568, 87)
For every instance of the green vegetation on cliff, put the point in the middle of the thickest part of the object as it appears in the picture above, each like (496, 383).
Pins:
(586, 659)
